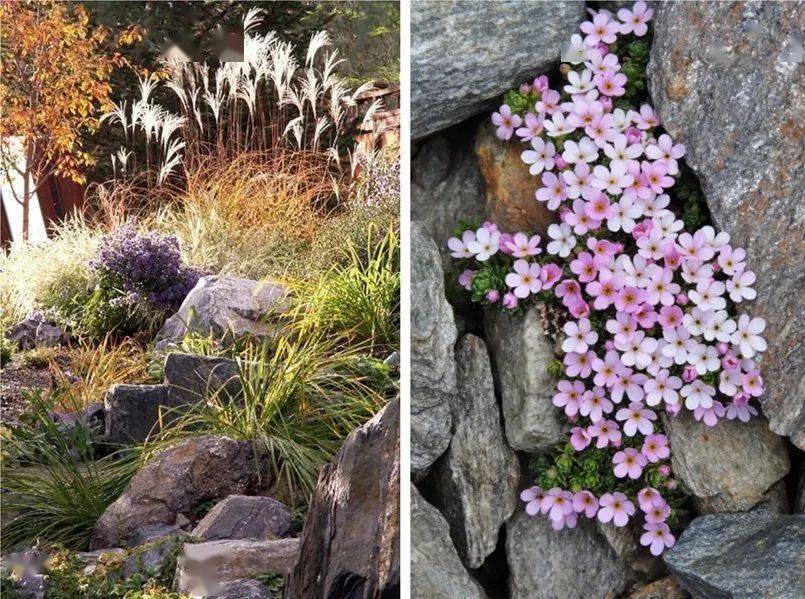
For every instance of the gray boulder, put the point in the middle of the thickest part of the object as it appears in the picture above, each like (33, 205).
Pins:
(226, 307)
(728, 467)
(244, 517)
(726, 80)
(132, 412)
(175, 481)
(546, 564)
(741, 556)
(152, 557)
(476, 489)
(241, 589)
(436, 569)
(202, 568)
(192, 378)
(521, 353)
(433, 367)
(466, 53)
(35, 331)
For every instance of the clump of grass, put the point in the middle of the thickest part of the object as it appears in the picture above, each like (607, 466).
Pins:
(55, 489)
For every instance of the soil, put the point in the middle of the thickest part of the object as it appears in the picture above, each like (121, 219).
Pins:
(15, 378)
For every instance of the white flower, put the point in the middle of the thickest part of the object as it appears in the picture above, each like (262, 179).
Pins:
(576, 51)
(557, 125)
(679, 344)
(747, 337)
(667, 224)
(541, 157)
(707, 295)
(584, 151)
(579, 83)
(458, 247)
(696, 320)
(485, 245)
(739, 286)
(704, 358)
(638, 351)
(720, 327)
(563, 240)
(625, 213)
(729, 381)
(663, 387)
(580, 336)
(698, 394)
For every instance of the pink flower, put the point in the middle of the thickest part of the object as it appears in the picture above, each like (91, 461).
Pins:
(606, 432)
(630, 384)
(554, 192)
(663, 387)
(670, 317)
(579, 336)
(568, 288)
(533, 497)
(549, 274)
(635, 20)
(548, 102)
(465, 279)
(584, 266)
(579, 438)
(569, 396)
(656, 175)
(636, 418)
(601, 29)
(492, 296)
(505, 121)
(594, 404)
(533, 127)
(525, 279)
(694, 247)
(608, 370)
(585, 503)
(710, 415)
(541, 157)
(655, 448)
(558, 503)
(646, 118)
(657, 537)
(584, 111)
(628, 462)
(633, 134)
(599, 208)
(623, 328)
(689, 372)
(578, 219)
(521, 245)
(629, 299)
(611, 84)
(615, 507)
(648, 497)
(602, 130)
(739, 408)
(510, 301)
(664, 470)
(604, 293)
(577, 307)
(579, 364)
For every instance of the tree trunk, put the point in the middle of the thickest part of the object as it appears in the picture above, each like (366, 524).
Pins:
(26, 202)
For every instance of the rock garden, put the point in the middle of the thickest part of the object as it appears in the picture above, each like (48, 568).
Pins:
(606, 283)
(200, 369)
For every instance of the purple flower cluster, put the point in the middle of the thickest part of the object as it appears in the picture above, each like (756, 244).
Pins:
(144, 267)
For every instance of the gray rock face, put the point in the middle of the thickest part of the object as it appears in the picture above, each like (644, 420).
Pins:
(625, 542)
(436, 569)
(727, 468)
(203, 568)
(241, 589)
(446, 185)
(225, 306)
(175, 481)
(35, 331)
(351, 542)
(544, 564)
(521, 353)
(433, 367)
(192, 378)
(741, 556)
(151, 557)
(244, 517)
(131, 412)
(465, 53)
(726, 80)
(477, 488)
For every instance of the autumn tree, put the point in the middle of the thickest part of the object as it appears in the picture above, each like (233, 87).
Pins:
(55, 82)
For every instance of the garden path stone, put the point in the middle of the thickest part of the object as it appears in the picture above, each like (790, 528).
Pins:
(245, 517)
(226, 306)
(132, 412)
(728, 467)
(521, 353)
(192, 378)
(351, 543)
(465, 54)
(175, 481)
(476, 490)
(726, 81)
(433, 365)
(741, 556)
(510, 188)
(202, 567)
(546, 564)
(436, 569)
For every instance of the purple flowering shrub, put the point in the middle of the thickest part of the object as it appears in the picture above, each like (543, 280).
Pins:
(648, 308)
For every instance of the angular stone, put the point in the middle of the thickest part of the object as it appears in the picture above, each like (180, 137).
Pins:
(446, 185)
(193, 378)
(152, 557)
(625, 542)
(132, 412)
(153, 532)
(757, 554)
(726, 81)
(775, 499)
(465, 53)
(728, 467)
(35, 331)
(175, 481)
(245, 517)
(521, 353)
(351, 542)
(546, 564)
(477, 490)
(433, 368)
(510, 188)
(241, 589)
(203, 567)
(664, 588)
(226, 306)
(436, 569)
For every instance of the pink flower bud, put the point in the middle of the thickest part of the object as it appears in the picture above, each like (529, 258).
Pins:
(505, 238)
(565, 212)
(682, 299)
(540, 84)
(603, 49)
(609, 345)
(492, 296)
(670, 484)
(722, 347)
(561, 163)
(689, 374)
(510, 301)
(465, 279)
(525, 88)
(606, 102)
(741, 400)
(633, 135)
(730, 362)
(673, 408)
(490, 226)
(665, 470)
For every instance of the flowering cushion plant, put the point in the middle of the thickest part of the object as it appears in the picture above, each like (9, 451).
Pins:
(648, 306)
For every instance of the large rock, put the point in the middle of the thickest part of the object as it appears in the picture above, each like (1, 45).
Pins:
(241, 589)
(521, 353)
(477, 490)
(741, 556)
(466, 53)
(133, 412)
(192, 378)
(433, 365)
(546, 564)
(226, 306)
(175, 481)
(436, 569)
(351, 541)
(35, 331)
(245, 517)
(728, 467)
(446, 185)
(726, 80)
(625, 542)
(510, 188)
(202, 568)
